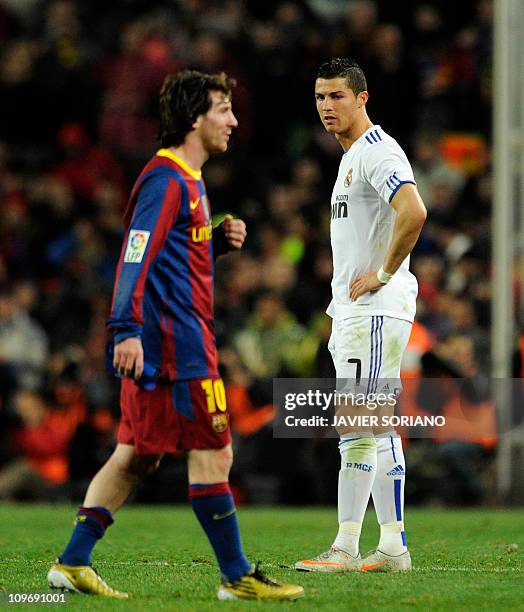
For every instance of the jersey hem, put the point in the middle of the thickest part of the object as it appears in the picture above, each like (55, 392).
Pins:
(169, 380)
(373, 312)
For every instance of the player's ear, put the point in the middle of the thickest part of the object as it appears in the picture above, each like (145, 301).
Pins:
(198, 122)
(362, 99)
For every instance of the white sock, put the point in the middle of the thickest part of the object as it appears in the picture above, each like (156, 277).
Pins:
(357, 471)
(388, 494)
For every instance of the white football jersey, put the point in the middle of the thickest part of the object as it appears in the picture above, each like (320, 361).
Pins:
(362, 220)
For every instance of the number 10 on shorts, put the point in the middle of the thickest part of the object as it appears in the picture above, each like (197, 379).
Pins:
(215, 394)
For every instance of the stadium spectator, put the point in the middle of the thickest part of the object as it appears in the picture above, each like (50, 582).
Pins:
(23, 343)
(269, 345)
(42, 446)
(431, 168)
(390, 68)
(127, 122)
(85, 167)
(355, 39)
(18, 90)
(467, 441)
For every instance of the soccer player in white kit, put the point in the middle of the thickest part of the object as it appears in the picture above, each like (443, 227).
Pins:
(376, 218)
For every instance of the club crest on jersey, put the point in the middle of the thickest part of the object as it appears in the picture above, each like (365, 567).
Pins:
(219, 422)
(136, 246)
(349, 178)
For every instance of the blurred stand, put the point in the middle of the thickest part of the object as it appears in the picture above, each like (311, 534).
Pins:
(79, 88)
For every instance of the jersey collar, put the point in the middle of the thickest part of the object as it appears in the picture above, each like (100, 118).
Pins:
(196, 174)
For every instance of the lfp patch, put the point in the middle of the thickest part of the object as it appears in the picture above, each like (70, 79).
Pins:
(136, 246)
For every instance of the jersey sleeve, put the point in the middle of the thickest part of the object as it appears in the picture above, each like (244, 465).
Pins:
(157, 206)
(388, 169)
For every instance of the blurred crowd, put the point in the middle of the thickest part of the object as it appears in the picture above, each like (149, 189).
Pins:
(79, 82)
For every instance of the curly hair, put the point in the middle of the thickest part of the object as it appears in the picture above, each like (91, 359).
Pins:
(183, 98)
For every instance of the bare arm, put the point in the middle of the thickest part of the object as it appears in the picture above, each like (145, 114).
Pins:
(411, 214)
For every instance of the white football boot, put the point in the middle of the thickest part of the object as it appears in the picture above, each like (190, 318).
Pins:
(377, 561)
(333, 560)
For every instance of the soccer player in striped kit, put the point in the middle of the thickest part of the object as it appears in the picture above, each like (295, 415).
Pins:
(172, 396)
(376, 218)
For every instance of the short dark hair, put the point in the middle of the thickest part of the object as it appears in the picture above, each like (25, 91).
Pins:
(185, 96)
(342, 67)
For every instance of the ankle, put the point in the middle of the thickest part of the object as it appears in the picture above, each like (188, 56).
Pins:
(392, 538)
(348, 537)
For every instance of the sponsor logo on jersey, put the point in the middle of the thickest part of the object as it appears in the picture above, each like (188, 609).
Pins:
(363, 467)
(202, 233)
(398, 470)
(194, 203)
(339, 208)
(349, 178)
(136, 246)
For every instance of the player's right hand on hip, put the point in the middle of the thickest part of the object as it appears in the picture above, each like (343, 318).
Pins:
(129, 358)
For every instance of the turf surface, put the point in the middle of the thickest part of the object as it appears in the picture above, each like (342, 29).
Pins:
(463, 559)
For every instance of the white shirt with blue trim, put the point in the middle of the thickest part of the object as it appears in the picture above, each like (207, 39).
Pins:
(371, 172)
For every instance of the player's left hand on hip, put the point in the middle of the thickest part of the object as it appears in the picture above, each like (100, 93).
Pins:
(234, 230)
(363, 284)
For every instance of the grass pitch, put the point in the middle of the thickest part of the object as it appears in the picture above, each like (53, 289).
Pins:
(463, 559)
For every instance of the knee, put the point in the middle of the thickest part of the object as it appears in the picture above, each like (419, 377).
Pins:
(210, 465)
(224, 459)
(216, 464)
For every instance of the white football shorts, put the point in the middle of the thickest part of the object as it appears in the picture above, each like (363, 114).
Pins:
(367, 353)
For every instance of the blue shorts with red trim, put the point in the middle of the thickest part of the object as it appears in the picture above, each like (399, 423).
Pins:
(182, 415)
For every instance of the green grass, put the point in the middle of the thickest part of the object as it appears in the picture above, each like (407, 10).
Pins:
(461, 559)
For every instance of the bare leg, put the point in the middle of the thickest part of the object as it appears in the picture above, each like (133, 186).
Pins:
(118, 477)
(209, 466)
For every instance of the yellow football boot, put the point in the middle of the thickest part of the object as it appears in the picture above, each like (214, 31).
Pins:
(81, 579)
(257, 586)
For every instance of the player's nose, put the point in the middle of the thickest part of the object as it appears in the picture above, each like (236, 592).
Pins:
(233, 123)
(325, 103)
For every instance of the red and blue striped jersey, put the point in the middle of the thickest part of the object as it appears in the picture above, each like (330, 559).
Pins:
(164, 281)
